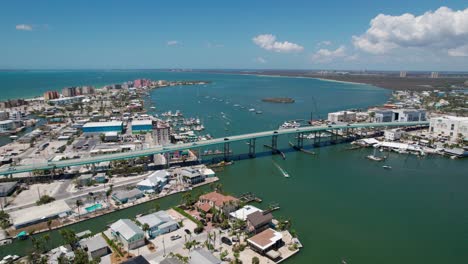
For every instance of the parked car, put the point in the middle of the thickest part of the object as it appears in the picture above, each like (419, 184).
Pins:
(226, 241)
(175, 237)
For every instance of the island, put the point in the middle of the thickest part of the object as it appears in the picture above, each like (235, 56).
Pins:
(279, 100)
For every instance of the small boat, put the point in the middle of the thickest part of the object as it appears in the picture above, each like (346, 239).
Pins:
(259, 112)
(387, 167)
(13, 137)
(374, 157)
(252, 110)
(152, 107)
(285, 173)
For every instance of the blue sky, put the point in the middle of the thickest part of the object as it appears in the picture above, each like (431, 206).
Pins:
(234, 34)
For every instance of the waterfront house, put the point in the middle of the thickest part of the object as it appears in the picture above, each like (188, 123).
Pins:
(243, 212)
(125, 196)
(159, 223)
(155, 182)
(192, 175)
(95, 246)
(258, 221)
(266, 243)
(128, 233)
(225, 203)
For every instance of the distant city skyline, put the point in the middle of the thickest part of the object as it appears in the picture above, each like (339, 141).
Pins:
(359, 35)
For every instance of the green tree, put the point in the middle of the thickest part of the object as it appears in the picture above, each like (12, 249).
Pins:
(79, 203)
(69, 237)
(255, 260)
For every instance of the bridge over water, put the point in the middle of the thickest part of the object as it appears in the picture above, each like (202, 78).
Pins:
(249, 138)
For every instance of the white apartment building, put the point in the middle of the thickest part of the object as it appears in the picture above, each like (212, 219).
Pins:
(393, 134)
(449, 126)
(342, 116)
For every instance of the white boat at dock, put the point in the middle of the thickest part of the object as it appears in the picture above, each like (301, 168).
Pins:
(290, 124)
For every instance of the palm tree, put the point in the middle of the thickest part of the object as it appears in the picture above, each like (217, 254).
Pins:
(145, 228)
(49, 224)
(78, 204)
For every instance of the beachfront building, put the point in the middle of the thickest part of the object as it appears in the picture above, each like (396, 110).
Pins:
(266, 243)
(142, 126)
(342, 116)
(125, 196)
(49, 95)
(128, 233)
(159, 223)
(67, 100)
(155, 182)
(192, 175)
(102, 127)
(453, 127)
(225, 203)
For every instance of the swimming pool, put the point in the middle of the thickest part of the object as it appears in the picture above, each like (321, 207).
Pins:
(93, 207)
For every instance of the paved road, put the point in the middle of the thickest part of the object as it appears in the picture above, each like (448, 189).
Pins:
(62, 194)
(205, 143)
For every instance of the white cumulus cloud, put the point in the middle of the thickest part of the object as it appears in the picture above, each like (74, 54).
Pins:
(442, 30)
(328, 55)
(268, 42)
(24, 27)
(172, 43)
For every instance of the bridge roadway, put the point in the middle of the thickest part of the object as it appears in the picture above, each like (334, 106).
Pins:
(205, 143)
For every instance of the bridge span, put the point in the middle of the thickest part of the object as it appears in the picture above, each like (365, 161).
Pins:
(250, 138)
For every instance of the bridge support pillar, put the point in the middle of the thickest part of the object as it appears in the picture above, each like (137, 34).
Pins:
(300, 140)
(252, 147)
(274, 143)
(227, 151)
(168, 160)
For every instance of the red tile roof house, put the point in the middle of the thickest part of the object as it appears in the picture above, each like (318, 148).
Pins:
(225, 203)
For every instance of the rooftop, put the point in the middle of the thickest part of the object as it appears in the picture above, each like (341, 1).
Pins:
(142, 122)
(155, 219)
(242, 213)
(202, 256)
(126, 228)
(218, 199)
(103, 124)
(35, 213)
(94, 243)
(265, 239)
